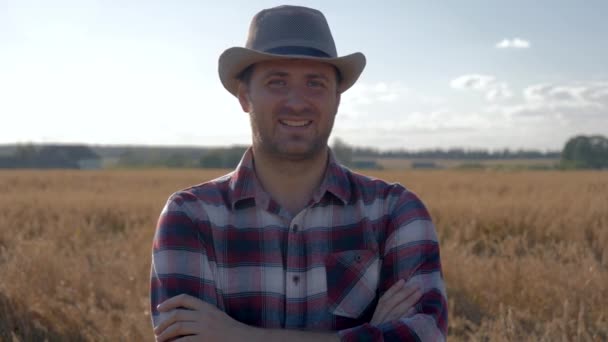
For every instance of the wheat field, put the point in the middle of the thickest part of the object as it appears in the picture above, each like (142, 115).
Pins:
(524, 254)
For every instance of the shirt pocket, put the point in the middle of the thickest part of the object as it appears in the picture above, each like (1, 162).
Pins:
(352, 279)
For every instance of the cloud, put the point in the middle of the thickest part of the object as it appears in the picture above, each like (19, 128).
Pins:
(440, 127)
(363, 93)
(472, 82)
(576, 104)
(487, 84)
(575, 93)
(382, 99)
(515, 43)
(499, 91)
(540, 115)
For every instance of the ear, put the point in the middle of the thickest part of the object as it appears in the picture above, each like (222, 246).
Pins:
(338, 97)
(243, 96)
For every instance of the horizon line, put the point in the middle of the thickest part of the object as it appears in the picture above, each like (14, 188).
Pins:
(378, 149)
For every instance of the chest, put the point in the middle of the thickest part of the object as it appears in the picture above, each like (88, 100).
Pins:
(318, 270)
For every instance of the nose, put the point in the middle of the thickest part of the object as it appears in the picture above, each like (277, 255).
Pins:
(296, 100)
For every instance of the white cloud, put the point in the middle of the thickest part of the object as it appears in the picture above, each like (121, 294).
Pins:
(473, 81)
(541, 116)
(571, 103)
(487, 84)
(369, 103)
(441, 127)
(499, 91)
(370, 99)
(515, 43)
(575, 93)
(363, 93)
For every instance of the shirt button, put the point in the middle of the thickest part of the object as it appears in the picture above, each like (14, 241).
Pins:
(358, 258)
(295, 228)
(296, 279)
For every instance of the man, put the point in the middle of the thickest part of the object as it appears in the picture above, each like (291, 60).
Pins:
(291, 245)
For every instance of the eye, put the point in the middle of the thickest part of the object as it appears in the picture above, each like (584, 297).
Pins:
(277, 82)
(316, 84)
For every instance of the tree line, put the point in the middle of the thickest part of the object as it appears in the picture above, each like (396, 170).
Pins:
(580, 152)
(50, 157)
(211, 158)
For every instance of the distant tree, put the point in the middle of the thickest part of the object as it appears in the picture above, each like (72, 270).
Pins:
(10, 162)
(212, 160)
(586, 152)
(64, 156)
(233, 155)
(222, 158)
(178, 160)
(50, 157)
(25, 151)
(343, 152)
(129, 158)
(25, 155)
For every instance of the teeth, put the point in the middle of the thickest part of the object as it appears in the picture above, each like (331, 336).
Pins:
(295, 123)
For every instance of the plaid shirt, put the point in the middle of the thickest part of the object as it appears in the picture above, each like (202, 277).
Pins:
(230, 244)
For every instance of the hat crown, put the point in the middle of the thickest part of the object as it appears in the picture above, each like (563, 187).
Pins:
(291, 27)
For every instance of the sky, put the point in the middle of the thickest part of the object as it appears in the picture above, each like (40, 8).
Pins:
(440, 74)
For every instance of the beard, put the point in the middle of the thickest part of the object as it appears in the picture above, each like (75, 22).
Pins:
(294, 147)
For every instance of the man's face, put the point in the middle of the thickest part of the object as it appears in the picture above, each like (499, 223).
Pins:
(292, 105)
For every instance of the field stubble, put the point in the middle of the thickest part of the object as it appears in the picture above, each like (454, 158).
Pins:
(524, 253)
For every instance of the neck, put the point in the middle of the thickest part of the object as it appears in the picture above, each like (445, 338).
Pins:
(290, 182)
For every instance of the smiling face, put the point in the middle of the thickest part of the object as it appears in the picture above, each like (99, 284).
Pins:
(292, 105)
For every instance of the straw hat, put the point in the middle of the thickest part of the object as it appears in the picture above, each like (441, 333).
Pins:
(288, 32)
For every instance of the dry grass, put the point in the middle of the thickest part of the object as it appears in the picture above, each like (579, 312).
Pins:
(524, 253)
(405, 163)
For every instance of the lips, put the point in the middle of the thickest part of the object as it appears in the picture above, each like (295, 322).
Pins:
(295, 123)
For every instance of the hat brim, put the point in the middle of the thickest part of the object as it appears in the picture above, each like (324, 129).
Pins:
(236, 59)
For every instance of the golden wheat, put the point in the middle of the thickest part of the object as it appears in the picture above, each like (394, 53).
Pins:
(524, 253)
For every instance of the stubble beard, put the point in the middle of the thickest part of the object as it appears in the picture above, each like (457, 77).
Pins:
(265, 142)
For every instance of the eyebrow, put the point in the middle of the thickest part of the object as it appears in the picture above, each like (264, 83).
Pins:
(278, 73)
(272, 73)
(317, 75)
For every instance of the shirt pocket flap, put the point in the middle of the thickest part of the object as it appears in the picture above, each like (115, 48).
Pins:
(352, 280)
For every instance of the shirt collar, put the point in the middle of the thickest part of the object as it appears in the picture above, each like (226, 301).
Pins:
(244, 183)
(336, 181)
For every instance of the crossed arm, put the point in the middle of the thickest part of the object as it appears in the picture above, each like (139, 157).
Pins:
(196, 320)
(412, 309)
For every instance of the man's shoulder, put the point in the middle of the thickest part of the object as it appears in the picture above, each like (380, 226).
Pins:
(393, 196)
(369, 187)
(214, 191)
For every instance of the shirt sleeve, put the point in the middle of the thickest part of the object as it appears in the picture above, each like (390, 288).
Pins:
(179, 260)
(411, 252)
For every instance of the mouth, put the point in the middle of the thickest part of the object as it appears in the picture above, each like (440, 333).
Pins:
(295, 123)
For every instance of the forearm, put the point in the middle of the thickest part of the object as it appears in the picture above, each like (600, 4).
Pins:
(279, 335)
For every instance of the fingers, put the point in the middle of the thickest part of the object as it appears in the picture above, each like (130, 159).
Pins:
(400, 296)
(183, 300)
(178, 329)
(396, 302)
(381, 308)
(406, 306)
(174, 316)
(394, 289)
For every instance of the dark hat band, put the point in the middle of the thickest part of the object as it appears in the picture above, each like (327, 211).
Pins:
(297, 50)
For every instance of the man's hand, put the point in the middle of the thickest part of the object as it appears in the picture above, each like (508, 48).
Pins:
(398, 301)
(194, 320)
